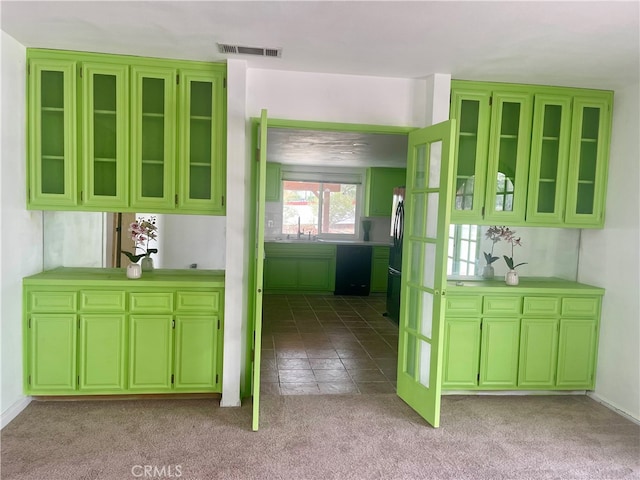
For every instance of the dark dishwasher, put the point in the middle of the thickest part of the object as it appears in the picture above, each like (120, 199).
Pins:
(353, 270)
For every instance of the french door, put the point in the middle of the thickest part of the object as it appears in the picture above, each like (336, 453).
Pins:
(428, 200)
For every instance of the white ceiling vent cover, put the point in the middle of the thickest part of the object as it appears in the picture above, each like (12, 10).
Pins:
(259, 51)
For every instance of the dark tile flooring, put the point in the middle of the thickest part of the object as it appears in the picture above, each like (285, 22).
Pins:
(314, 344)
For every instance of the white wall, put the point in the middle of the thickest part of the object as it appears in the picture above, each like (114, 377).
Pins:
(73, 239)
(188, 239)
(609, 258)
(21, 231)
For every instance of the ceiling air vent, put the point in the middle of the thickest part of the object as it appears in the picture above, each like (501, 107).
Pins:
(259, 51)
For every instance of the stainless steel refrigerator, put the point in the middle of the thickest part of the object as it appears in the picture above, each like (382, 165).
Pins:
(395, 255)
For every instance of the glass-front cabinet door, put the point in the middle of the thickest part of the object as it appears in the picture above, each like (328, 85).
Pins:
(472, 111)
(105, 130)
(588, 160)
(52, 139)
(201, 151)
(508, 160)
(153, 113)
(549, 156)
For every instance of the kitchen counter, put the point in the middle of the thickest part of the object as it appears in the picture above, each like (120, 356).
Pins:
(118, 277)
(527, 285)
(322, 241)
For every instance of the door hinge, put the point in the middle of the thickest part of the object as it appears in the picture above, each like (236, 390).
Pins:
(491, 100)
(480, 324)
(177, 79)
(217, 377)
(482, 212)
(176, 199)
(29, 323)
(478, 377)
(172, 377)
(173, 323)
(218, 324)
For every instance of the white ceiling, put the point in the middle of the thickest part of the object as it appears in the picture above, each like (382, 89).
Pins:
(584, 44)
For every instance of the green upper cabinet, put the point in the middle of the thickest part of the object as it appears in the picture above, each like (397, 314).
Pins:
(105, 135)
(153, 118)
(380, 183)
(588, 160)
(471, 109)
(202, 176)
(549, 159)
(52, 145)
(508, 162)
(530, 155)
(273, 186)
(122, 133)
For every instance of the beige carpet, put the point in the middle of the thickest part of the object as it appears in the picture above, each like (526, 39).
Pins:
(322, 437)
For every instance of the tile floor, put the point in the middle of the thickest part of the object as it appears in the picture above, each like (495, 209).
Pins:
(314, 344)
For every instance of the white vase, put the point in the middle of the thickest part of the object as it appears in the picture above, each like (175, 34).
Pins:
(488, 272)
(134, 271)
(512, 278)
(147, 264)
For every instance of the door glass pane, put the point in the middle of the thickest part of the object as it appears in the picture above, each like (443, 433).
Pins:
(153, 127)
(419, 214)
(435, 159)
(427, 314)
(415, 262)
(104, 135)
(432, 215)
(507, 156)
(467, 146)
(413, 308)
(411, 358)
(425, 362)
(421, 167)
(428, 265)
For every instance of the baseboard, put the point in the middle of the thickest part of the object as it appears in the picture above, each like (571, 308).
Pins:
(13, 411)
(594, 396)
(513, 392)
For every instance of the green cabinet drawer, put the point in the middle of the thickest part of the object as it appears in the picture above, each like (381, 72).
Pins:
(466, 305)
(197, 301)
(580, 307)
(51, 302)
(543, 306)
(112, 301)
(151, 302)
(496, 305)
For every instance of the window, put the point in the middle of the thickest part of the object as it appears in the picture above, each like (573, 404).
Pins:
(320, 208)
(463, 248)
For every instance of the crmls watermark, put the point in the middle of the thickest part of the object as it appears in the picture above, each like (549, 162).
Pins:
(156, 471)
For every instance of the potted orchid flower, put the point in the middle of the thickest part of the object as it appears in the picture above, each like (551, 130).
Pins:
(493, 234)
(509, 236)
(142, 232)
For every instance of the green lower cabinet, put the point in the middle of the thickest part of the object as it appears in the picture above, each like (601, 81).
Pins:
(461, 353)
(196, 353)
(379, 269)
(538, 353)
(103, 347)
(316, 274)
(499, 353)
(544, 339)
(52, 353)
(300, 267)
(150, 352)
(280, 273)
(577, 348)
